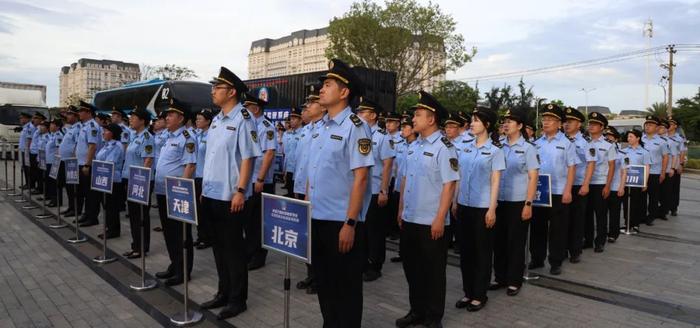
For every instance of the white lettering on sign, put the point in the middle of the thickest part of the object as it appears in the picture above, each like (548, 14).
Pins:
(181, 206)
(287, 238)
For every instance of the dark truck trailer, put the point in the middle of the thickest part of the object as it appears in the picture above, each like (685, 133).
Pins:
(284, 92)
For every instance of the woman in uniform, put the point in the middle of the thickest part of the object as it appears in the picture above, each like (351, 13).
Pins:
(112, 151)
(617, 187)
(636, 154)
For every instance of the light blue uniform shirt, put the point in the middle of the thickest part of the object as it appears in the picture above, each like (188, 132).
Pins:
(556, 155)
(657, 148)
(51, 146)
(158, 141)
(140, 148)
(382, 149)
(113, 151)
(333, 156)
(396, 139)
(179, 150)
(521, 157)
(36, 144)
(476, 163)
(267, 139)
(67, 147)
(604, 152)
(674, 149)
(90, 133)
(127, 133)
(231, 139)
(26, 134)
(302, 154)
(619, 166)
(290, 139)
(402, 148)
(637, 155)
(431, 163)
(682, 147)
(584, 157)
(201, 152)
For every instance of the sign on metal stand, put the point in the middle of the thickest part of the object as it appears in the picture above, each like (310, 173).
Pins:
(636, 178)
(70, 166)
(181, 205)
(14, 173)
(543, 195)
(41, 157)
(103, 181)
(139, 191)
(53, 174)
(286, 229)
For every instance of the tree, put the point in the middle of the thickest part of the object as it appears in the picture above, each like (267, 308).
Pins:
(658, 109)
(417, 42)
(456, 96)
(166, 72)
(688, 112)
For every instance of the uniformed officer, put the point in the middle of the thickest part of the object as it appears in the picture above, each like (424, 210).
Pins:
(119, 117)
(289, 144)
(25, 136)
(674, 151)
(675, 137)
(581, 188)
(453, 125)
(103, 119)
(139, 152)
(453, 128)
(55, 138)
(380, 175)
(427, 189)
(39, 142)
(515, 196)
(202, 122)
(36, 179)
(636, 154)
(178, 158)
(550, 224)
(313, 113)
(261, 180)
(231, 150)
(338, 186)
(88, 142)
(66, 149)
(481, 163)
(160, 135)
(617, 186)
(392, 123)
(112, 151)
(659, 152)
(403, 147)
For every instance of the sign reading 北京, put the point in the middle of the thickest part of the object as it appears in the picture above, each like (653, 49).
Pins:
(180, 198)
(286, 226)
(139, 187)
(71, 166)
(543, 195)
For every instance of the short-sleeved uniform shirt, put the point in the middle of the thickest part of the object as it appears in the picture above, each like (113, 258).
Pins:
(90, 133)
(604, 152)
(140, 148)
(584, 157)
(382, 149)
(658, 148)
(113, 151)
(521, 157)
(476, 164)
(179, 150)
(557, 154)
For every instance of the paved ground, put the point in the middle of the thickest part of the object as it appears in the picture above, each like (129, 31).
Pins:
(626, 286)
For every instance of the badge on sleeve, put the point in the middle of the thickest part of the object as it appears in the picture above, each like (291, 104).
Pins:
(254, 135)
(538, 159)
(454, 164)
(627, 160)
(270, 135)
(190, 147)
(148, 149)
(592, 151)
(94, 133)
(364, 145)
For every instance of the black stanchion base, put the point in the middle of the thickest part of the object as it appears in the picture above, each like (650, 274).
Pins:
(184, 319)
(14, 194)
(29, 206)
(43, 216)
(57, 225)
(76, 240)
(104, 260)
(530, 276)
(146, 285)
(21, 200)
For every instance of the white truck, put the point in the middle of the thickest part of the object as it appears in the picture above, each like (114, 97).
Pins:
(16, 98)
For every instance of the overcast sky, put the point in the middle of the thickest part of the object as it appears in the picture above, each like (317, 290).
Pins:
(38, 37)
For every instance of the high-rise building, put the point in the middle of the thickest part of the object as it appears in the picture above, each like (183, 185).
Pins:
(304, 51)
(81, 80)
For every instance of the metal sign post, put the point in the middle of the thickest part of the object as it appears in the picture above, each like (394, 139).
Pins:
(30, 205)
(53, 174)
(70, 166)
(14, 174)
(103, 181)
(182, 206)
(4, 158)
(138, 192)
(527, 276)
(42, 167)
(636, 178)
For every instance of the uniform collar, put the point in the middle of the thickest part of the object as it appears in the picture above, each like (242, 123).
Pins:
(178, 131)
(374, 128)
(232, 113)
(435, 136)
(487, 144)
(520, 142)
(338, 119)
(578, 135)
(599, 139)
(138, 134)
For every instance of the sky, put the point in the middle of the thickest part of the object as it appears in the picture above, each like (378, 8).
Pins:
(38, 37)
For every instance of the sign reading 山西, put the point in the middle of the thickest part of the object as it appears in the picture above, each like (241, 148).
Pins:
(102, 176)
(286, 226)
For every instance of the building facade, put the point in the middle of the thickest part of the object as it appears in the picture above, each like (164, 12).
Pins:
(81, 80)
(302, 52)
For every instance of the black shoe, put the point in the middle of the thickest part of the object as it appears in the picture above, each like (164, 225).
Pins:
(612, 240)
(88, 223)
(599, 249)
(312, 290)
(575, 259)
(231, 311)
(635, 229)
(371, 275)
(511, 291)
(535, 265)
(256, 263)
(555, 270)
(110, 235)
(462, 302)
(396, 259)
(674, 213)
(68, 214)
(157, 229)
(40, 198)
(649, 223)
(174, 281)
(165, 274)
(496, 286)
(52, 204)
(203, 245)
(134, 255)
(218, 301)
(434, 324)
(127, 254)
(304, 284)
(408, 320)
(471, 307)
(35, 192)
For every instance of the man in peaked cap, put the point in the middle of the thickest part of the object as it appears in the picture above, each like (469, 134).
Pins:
(675, 137)
(89, 142)
(33, 145)
(227, 79)
(25, 136)
(393, 130)
(290, 139)
(659, 151)
(337, 186)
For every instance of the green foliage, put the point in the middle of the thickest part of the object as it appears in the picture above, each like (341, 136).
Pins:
(688, 112)
(658, 109)
(456, 96)
(403, 36)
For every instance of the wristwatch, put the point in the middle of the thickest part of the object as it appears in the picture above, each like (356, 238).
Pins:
(241, 190)
(260, 180)
(528, 203)
(350, 221)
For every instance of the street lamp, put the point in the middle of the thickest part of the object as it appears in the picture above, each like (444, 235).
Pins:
(537, 111)
(586, 91)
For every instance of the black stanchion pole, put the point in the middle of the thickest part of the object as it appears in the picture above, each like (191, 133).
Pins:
(44, 214)
(59, 224)
(29, 205)
(527, 276)
(14, 174)
(145, 284)
(23, 183)
(4, 158)
(77, 239)
(287, 283)
(187, 317)
(103, 259)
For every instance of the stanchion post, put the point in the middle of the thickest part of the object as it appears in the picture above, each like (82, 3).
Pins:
(187, 317)
(59, 224)
(103, 259)
(44, 214)
(77, 239)
(145, 284)
(14, 173)
(527, 276)
(4, 158)
(287, 283)
(22, 183)
(29, 205)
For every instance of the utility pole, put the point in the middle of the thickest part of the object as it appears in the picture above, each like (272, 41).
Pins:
(669, 106)
(586, 91)
(648, 32)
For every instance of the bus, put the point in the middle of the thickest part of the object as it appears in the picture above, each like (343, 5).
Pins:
(155, 95)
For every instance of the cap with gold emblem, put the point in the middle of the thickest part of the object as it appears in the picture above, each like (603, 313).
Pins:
(39, 115)
(454, 118)
(553, 110)
(652, 119)
(253, 100)
(673, 120)
(665, 123)
(366, 104)
(313, 91)
(87, 107)
(296, 111)
(229, 78)
(514, 115)
(340, 71)
(394, 116)
(486, 115)
(177, 106)
(407, 120)
(574, 114)
(428, 102)
(611, 130)
(119, 112)
(595, 117)
(142, 114)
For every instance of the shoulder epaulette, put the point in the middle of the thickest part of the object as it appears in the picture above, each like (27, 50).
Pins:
(382, 131)
(92, 124)
(185, 133)
(622, 151)
(497, 143)
(446, 142)
(587, 138)
(664, 138)
(266, 123)
(146, 135)
(245, 113)
(355, 120)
